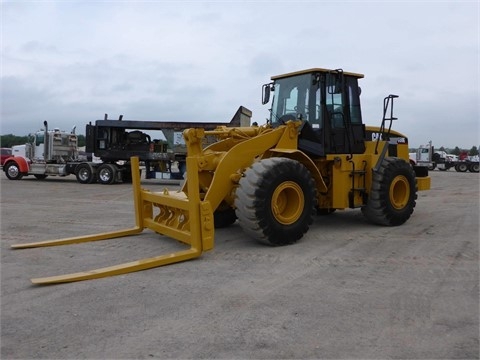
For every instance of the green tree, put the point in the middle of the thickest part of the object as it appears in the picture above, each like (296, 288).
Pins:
(81, 140)
(456, 151)
(10, 140)
(473, 151)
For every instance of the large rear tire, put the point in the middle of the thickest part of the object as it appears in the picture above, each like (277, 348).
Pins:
(461, 167)
(392, 197)
(324, 211)
(107, 174)
(85, 174)
(275, 201)
(473, 167)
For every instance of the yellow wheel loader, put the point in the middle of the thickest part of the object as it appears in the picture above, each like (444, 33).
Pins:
(314, 156)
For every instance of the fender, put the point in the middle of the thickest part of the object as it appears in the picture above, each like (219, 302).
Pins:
(22, 163)
(305, 160)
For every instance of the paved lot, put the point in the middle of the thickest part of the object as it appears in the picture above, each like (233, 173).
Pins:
(348, 289)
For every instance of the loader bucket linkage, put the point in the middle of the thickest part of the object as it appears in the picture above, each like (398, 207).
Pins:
(188, 220)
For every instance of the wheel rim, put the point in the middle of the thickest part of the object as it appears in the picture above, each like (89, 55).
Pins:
(287, 202)
(13, 171)
(83, 174)
(105, 175)
(399, 192)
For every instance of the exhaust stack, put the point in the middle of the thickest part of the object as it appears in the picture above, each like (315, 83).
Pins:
(47, 154)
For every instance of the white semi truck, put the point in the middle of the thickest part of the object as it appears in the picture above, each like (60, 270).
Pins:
(427, 156)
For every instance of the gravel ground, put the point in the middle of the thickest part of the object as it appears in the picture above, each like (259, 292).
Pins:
(348, 289)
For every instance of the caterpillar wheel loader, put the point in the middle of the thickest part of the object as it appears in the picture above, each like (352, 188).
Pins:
(314, 156)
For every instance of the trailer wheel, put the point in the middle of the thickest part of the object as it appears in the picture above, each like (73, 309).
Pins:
(40, 176)
(461, 167)
(473, 167)
(85, 174)
(392, 197)
(12, 171)
(275, 201)
(107, 174)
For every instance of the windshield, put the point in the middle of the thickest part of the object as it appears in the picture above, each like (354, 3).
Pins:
(297, 97)
(39, 138)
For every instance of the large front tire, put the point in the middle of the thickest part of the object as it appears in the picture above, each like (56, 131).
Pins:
(12, 171)
(392, 197)
(275, 201)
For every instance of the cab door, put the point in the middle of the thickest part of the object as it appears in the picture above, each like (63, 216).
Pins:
(347, 132)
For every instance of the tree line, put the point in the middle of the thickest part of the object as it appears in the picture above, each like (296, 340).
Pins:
(9, 140)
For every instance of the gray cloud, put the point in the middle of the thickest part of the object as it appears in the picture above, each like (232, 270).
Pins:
(70, 62)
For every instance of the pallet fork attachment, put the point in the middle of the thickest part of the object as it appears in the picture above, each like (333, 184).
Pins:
(188, 220)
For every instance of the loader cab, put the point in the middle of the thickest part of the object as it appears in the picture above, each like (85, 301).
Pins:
(328, 104)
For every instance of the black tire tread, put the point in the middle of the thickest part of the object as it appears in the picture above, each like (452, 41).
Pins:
(224, 217)
(112, 168)
(378, 209)
(91, 179)
(7, 166)
(252, 195)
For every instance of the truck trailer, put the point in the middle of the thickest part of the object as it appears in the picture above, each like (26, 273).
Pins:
(462, 163)
(113, 143)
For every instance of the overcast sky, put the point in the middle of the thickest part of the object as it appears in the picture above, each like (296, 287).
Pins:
(70, 62)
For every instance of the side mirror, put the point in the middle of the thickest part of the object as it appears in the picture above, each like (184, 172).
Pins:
(266, 88)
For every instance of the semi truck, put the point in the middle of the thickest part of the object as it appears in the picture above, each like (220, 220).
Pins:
(113, 143)
(427, 156)
(423, 156)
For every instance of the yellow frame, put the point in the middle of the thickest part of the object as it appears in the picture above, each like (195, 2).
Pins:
(197, 231)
